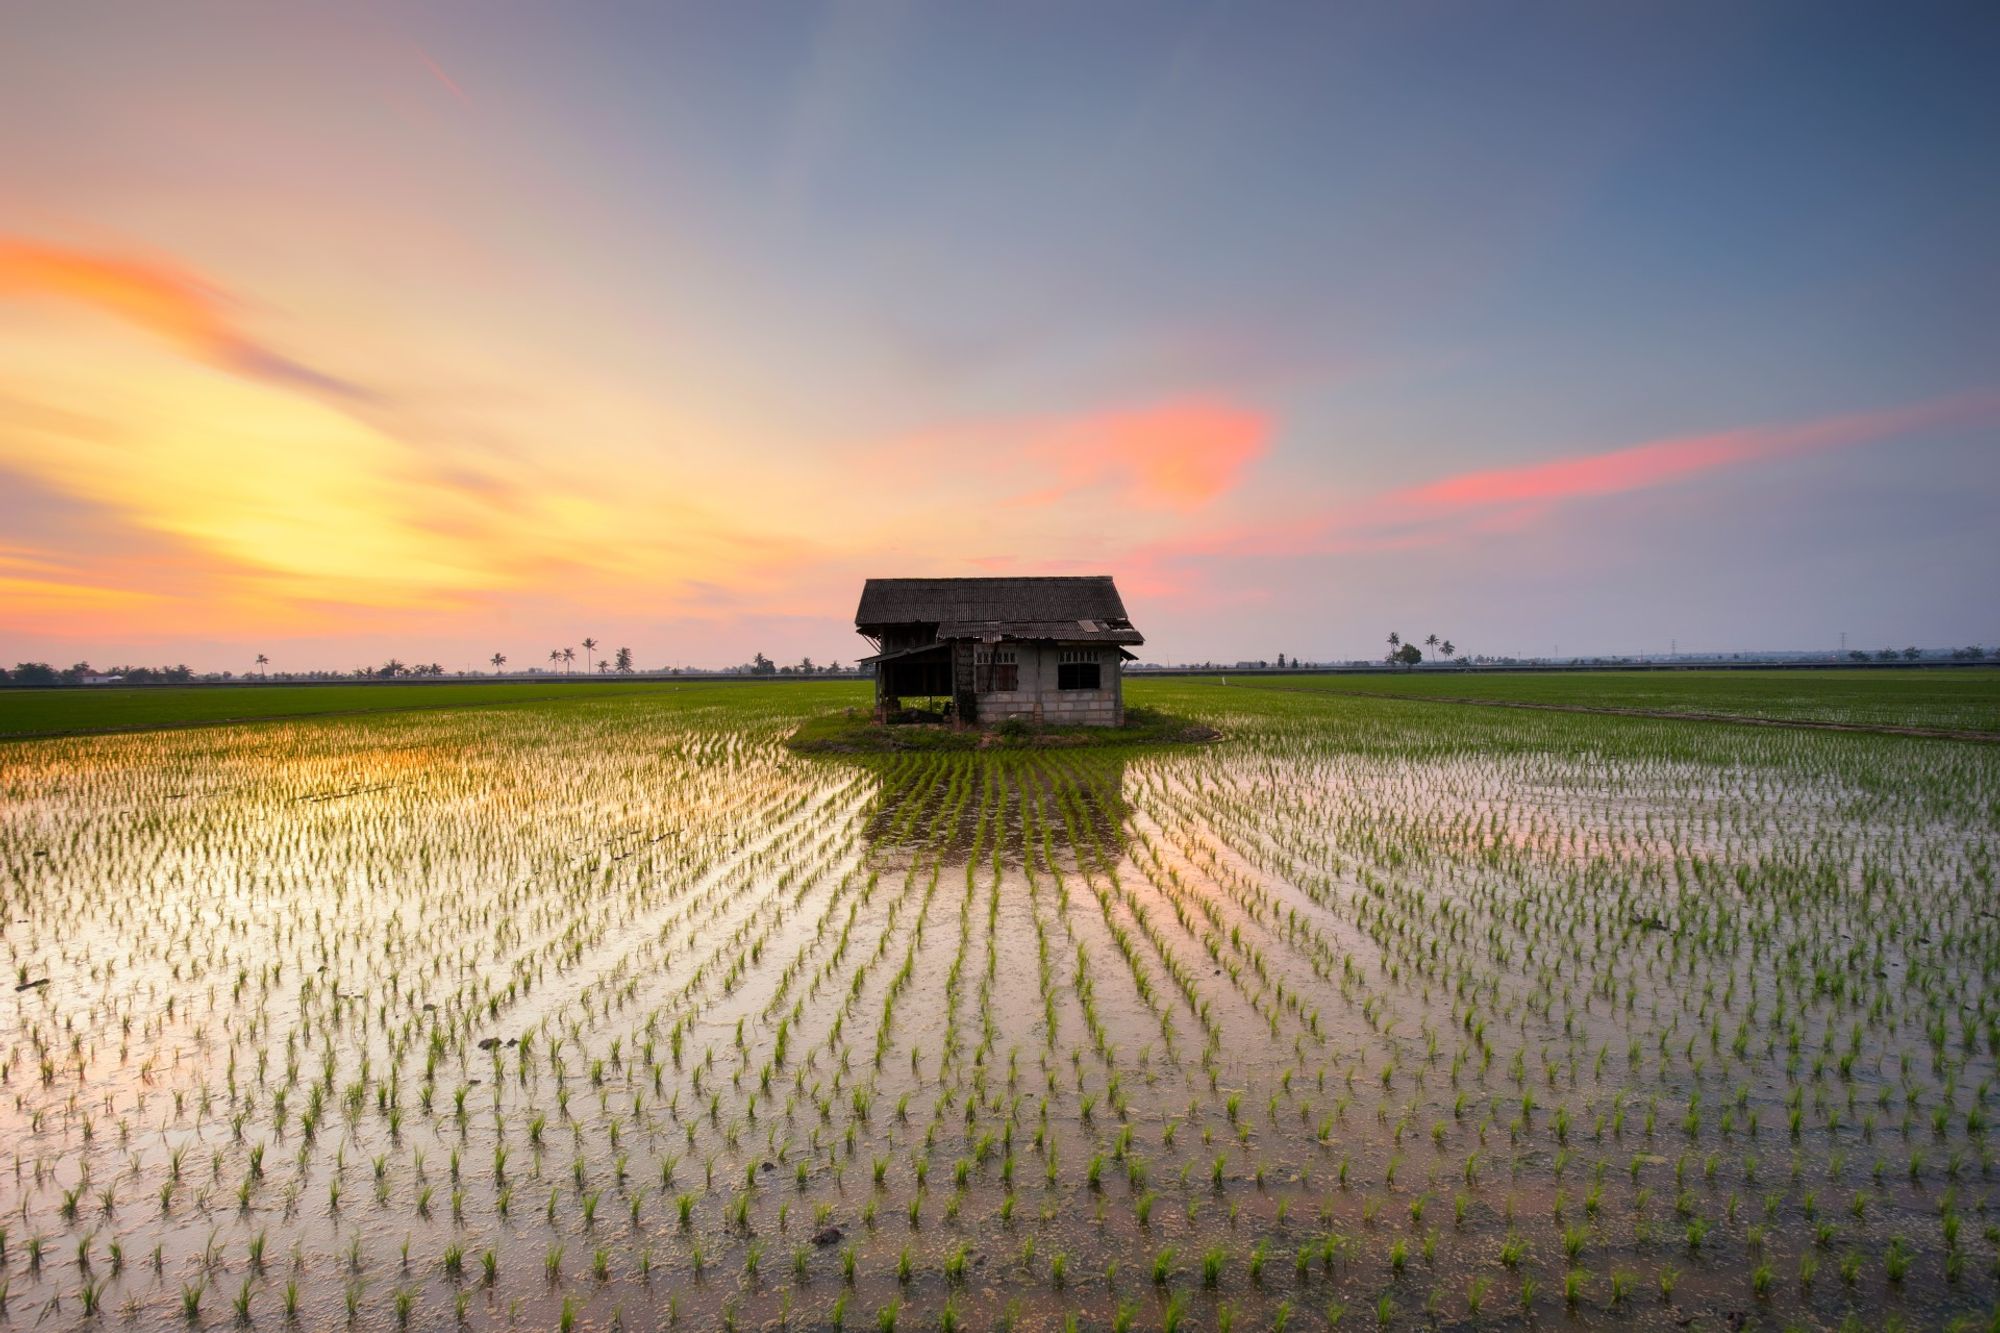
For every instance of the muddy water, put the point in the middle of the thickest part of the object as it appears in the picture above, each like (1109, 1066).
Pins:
(1348, 1016)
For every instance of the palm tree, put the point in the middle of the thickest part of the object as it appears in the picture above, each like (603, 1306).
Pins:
(1395, 640)
(1431, 642)
(569, 656)
(555, 656)
(499, 660)
(589, 647)
(1449, 651)
(262, 662)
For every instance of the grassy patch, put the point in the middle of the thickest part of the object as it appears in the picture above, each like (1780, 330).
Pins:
(854, 731)
(1964, 699)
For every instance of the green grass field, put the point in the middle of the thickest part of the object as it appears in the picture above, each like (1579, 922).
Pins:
(52, 712)
(1966, 700)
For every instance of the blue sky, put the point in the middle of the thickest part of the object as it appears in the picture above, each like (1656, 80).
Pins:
(438, 330)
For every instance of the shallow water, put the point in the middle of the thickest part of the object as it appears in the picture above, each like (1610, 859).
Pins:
(1356, 1006)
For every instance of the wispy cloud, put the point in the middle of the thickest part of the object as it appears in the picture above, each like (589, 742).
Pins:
(1517, 498)
(1178, 454)
(437, 72)
(1175, 455)
(1660, 462)
(163, 299)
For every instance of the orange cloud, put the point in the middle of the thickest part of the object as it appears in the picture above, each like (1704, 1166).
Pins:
(161, 299)
(1175, 455)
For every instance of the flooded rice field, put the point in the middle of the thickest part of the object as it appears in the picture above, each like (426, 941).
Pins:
(614, 1012)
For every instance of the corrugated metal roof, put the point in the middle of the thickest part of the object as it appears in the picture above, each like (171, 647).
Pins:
(957, 601)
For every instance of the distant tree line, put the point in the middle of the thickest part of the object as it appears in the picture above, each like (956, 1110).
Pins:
(761, 665)
(42, 676)
(1970, 653)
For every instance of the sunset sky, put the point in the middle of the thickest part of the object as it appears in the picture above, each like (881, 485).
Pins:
(341, 331)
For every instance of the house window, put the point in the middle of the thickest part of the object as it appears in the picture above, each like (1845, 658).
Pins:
(1078, 669)
(995, 670)
(1078, 675)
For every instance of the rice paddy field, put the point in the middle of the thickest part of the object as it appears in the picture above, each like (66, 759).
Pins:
(611, 1011)
(107, 708)
(1953, 699)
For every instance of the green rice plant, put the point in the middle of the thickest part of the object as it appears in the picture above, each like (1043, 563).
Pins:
(1896, 1259)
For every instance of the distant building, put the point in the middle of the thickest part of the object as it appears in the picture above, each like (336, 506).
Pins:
(1049, 650)
(102, 680)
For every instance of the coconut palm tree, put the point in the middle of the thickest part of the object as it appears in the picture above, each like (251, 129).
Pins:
(555, 657)
(1431, 642)
(1449, 651)
(499, 660)
(589, 647)
(569, 656)
(262, 662)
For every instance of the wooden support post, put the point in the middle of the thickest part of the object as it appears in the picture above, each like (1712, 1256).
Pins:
(965, 704)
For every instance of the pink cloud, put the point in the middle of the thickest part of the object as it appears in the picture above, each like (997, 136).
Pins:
(1177, 454)
(1174, 455)
(1660, 462)
(438, 73)
(1515, 499)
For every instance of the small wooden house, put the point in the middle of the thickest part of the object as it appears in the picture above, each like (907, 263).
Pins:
(1047, 650)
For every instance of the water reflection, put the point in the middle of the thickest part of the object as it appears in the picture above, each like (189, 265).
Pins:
(1005, 808)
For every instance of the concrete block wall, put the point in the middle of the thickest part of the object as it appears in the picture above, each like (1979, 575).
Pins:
(1038, 699)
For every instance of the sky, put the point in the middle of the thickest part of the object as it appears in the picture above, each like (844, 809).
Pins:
(335, 332)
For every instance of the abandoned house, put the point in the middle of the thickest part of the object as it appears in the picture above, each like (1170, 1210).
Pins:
(1048, 650)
